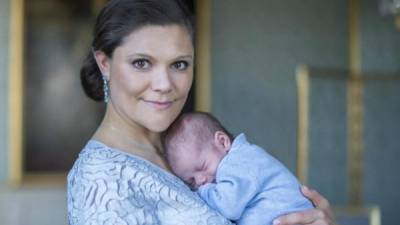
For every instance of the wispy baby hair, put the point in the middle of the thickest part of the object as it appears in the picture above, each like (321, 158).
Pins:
(198, 127)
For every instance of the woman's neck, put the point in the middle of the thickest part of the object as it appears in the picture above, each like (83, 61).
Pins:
(130, 137)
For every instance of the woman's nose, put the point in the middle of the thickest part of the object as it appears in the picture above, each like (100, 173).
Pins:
(161, 81)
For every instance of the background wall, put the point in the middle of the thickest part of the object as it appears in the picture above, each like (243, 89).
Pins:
(380, 43)
(256, 47)
(4, 28)
(39, 205)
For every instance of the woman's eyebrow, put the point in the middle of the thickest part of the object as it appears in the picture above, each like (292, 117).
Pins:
(185, 57)
(143, 55)
(139, 55)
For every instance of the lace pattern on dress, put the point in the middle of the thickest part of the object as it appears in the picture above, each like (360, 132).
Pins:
(108, 186)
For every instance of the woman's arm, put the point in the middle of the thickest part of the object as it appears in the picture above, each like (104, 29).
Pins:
(321, 215)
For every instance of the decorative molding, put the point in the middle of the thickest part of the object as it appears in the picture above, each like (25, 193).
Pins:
(354, 37)
(304, 75)
(355, 108)
(303, 80)
(372, 213)
(203, 57)
(397, 21)
(16, 92)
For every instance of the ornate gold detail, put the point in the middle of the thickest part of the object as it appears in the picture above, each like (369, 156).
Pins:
(355, 108)
(15, 93)
(302, 78)
(203, 57)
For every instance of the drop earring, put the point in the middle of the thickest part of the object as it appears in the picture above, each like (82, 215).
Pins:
(106, 90)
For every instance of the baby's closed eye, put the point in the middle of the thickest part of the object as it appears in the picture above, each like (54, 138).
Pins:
(190, 182)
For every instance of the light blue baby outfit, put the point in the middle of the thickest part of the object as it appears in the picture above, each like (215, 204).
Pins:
(108, 186)
(252, 187)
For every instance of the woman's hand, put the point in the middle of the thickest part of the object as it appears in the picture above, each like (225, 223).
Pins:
(321, 215)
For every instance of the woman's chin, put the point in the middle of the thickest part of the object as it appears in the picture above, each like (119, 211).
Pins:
(158, 129)
(159, 126)
(161, 122)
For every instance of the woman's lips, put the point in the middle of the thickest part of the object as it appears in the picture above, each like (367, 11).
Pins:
(158, 104)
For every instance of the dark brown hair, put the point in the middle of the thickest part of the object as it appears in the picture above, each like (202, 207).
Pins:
(199, 127)
(118, 19)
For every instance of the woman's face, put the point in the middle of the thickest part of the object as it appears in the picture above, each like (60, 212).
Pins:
(150, 75)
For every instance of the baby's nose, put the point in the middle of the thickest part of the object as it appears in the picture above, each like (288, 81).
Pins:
(200, 180)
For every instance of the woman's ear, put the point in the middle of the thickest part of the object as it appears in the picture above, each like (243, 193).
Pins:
(222, 141)
(103, 62)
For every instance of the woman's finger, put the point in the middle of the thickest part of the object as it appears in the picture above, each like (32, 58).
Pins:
(301, 217)
(321, 215)
(320, 203)
(308, 217)
(315, 197)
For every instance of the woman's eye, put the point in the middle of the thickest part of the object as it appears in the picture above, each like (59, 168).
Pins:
(141, 64)
(180, 65)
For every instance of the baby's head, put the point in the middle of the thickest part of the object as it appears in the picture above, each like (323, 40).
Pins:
(195, 144)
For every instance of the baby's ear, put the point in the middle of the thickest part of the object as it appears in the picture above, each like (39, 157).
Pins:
(222, 141)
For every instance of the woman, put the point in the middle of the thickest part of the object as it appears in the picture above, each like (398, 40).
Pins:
(141, 64)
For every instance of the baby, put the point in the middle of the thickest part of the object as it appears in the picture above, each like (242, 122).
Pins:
(238, 179)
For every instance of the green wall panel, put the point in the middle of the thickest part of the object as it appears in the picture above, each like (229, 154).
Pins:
(4, 27)
(380, 43)
(256, 46)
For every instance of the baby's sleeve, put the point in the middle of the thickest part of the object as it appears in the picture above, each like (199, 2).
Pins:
(233, 190)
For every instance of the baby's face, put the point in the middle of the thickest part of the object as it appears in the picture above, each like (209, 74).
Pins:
(197, 166)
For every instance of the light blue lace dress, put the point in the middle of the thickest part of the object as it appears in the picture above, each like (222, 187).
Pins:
(108, 186)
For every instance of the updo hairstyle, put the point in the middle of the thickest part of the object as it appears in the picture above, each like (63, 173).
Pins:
(118, 19)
